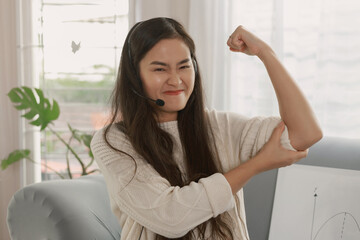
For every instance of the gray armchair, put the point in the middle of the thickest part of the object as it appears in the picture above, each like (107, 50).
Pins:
(63, 209)
(80, 209)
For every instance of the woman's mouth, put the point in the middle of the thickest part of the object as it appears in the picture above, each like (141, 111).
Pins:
(177, 92)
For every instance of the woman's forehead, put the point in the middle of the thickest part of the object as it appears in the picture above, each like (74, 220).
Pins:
(168, 50)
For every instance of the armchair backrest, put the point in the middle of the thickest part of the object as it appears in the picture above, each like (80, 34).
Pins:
(63, 209)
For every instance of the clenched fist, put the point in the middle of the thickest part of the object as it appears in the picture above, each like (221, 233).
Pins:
(241, 40)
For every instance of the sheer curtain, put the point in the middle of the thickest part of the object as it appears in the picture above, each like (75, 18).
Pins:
(140, 10)
(317, 40)
(326, 60)
(251, 90)
(209, 26)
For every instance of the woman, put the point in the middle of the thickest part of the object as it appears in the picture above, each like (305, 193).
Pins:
(174, 169)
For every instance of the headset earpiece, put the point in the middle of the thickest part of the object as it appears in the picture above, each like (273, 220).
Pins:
(195, 65)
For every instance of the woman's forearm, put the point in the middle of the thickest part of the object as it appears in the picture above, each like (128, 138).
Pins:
(295, 110)
(240, 175)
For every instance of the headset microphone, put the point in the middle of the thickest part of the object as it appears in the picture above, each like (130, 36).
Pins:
(158, 102)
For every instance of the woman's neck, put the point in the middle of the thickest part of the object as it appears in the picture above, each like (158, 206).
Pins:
(166, 117)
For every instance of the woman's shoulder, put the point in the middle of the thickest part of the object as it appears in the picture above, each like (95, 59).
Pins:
(111, 130)
(114, 136)
(225, 118)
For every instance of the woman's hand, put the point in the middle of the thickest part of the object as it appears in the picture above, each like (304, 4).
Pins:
(241, 40)
(274, 155)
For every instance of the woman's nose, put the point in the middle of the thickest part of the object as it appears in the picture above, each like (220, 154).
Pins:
(174, 79)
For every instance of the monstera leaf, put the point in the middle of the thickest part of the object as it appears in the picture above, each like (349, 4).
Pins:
(14, 157)
(39, 110)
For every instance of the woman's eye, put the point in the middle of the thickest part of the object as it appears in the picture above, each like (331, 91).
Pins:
(184, 67)
(159, 69)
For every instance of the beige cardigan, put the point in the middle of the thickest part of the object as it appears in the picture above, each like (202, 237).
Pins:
(146, 199)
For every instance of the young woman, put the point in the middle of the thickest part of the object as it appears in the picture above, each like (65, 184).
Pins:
(175, 169)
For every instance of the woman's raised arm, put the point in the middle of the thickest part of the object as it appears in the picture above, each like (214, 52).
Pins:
(295, 110)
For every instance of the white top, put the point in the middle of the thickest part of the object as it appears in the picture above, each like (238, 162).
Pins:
(144, 198)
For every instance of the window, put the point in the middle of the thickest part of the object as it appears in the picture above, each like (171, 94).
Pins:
(78, 54)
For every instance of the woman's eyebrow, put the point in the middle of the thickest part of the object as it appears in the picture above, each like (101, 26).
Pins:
(184, 61)
(158, 63)
(166, 65)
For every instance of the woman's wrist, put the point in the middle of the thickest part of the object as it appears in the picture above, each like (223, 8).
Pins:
(265, 53)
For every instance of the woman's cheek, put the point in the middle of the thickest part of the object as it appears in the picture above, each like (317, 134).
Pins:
(153, 84)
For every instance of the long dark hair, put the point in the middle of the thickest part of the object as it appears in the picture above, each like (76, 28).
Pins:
(136, 117)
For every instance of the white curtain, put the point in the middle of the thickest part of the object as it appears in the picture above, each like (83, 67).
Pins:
(16, 57)
(9, 124)
(140, 10)
(317, 40)
(323, 52)
(209, 26)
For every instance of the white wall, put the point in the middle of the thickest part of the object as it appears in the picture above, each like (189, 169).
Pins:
(9, 118)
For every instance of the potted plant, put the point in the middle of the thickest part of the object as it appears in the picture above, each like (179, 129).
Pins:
(40, 112)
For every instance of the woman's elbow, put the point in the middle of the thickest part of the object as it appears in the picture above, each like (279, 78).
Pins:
(305, 141)
(316, 137)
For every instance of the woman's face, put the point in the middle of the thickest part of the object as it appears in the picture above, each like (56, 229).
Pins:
(167, 73)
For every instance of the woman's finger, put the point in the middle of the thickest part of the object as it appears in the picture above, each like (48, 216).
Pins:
(303, 154)
(235, 43)
(298, 155)
(236, 50)
(277, 132)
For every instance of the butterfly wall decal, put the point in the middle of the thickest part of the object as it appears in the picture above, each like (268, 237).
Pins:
(75, 47)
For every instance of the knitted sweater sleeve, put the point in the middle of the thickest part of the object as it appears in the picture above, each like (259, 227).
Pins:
(142, 194)
(257, 131)
(241, 138)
